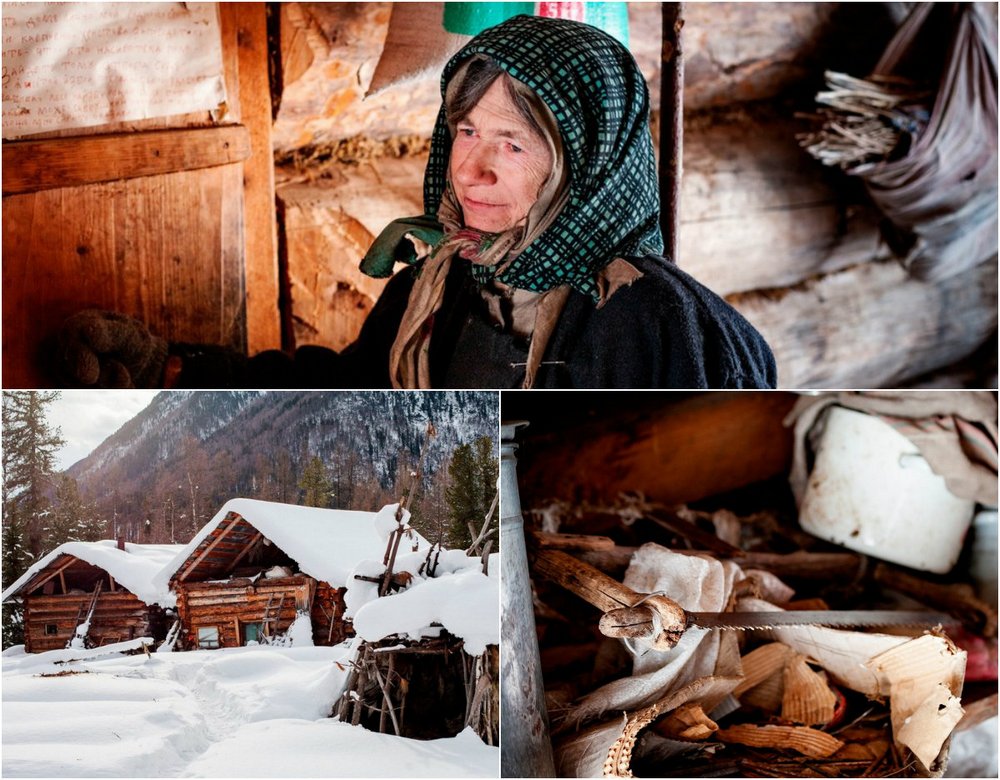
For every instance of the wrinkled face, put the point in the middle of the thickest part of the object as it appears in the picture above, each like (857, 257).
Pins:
(498, 163)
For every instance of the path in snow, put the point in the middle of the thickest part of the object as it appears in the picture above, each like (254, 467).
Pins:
(241, 711)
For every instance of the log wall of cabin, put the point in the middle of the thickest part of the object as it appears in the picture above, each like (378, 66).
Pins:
(118, 616)
(793, 245)
(327, 615)
(227, 603)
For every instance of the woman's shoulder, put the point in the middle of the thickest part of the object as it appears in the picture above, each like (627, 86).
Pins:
(660, 276)
(665, 289)
(670, 304)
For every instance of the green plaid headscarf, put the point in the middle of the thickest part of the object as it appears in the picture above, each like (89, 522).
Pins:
(598, 96)
(592, 85)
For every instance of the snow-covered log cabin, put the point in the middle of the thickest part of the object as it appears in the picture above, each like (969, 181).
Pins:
(258, 565)
(104, 589)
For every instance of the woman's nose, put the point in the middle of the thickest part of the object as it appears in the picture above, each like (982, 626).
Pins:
(477, 167)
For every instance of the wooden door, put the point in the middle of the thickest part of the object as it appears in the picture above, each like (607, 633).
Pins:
(170, 220)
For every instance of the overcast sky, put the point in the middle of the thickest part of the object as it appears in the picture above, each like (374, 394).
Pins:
(88, 417)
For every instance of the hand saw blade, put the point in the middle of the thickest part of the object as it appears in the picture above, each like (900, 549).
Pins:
(750, 621)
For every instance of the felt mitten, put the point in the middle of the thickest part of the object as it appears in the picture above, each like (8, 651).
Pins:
(96, 348)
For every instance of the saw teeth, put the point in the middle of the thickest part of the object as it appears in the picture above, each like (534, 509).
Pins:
(770, 627)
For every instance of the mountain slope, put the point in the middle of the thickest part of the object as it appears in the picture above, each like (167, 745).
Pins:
(197, 449)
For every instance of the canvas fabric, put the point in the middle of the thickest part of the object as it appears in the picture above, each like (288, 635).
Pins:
(940, 198)
(956, 434)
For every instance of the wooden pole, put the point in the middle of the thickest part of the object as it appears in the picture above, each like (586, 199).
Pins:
(386, 701)
(360, 687)
(671, 127)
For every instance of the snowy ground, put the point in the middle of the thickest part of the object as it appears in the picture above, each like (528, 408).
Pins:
(239, 712)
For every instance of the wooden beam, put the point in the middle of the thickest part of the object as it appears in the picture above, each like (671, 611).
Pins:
(898, 328)
(658, 447)
(257, 536)
(62, 581)
(190, 567)
(30, 166)
(249, 20)
(30, 587)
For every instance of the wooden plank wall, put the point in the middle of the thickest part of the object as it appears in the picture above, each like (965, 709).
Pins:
(118, 616)
(224, 604)
(670, 449)
(175, 248)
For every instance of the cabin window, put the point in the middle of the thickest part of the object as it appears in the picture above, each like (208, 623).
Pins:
(51, 629)
(208, 637)
(252, 632)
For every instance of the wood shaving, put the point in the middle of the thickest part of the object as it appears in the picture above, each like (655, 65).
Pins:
(802, 739)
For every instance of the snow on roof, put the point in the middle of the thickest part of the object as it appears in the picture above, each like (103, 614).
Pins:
(132, 568)
(462, 599)
(326, 543)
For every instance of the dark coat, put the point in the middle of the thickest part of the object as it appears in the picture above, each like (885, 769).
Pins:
(665, 330)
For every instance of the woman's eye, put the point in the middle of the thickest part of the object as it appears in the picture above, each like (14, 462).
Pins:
(468, 132)
(515, 148)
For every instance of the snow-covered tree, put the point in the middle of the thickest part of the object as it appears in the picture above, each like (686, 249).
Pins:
(16, 559)
(29, 448)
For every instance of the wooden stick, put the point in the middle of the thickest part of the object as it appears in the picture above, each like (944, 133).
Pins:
(485, 558)
(485, 530)
(691, 532)
(627, 614)
(386, 700)
(671, 126)
(575, 542)
(956, 600)
(805, 565)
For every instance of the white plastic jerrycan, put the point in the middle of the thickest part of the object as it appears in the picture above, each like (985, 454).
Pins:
(872, 491)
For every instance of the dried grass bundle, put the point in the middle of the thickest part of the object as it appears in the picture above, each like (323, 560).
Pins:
(867, 119)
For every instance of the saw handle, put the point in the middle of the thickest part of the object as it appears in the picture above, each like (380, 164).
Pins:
(656, 619)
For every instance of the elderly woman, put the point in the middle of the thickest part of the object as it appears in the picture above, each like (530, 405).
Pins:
(538, 260)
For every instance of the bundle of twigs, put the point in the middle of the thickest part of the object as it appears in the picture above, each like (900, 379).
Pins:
(867, 119)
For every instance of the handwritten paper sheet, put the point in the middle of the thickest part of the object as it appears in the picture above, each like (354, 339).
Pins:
(68, 65)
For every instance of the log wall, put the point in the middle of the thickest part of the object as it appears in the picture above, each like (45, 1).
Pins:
(872, 326)
(328, 623)
(224, 604)
(118, 616)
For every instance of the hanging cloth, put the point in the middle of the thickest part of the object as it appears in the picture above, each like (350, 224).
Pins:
(940, 198)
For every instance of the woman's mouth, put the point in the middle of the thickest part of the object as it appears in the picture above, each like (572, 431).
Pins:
(478, 205)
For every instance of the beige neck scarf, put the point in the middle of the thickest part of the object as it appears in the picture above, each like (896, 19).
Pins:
(409, 357)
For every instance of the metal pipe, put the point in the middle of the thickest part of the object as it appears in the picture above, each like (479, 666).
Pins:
(524, 723)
